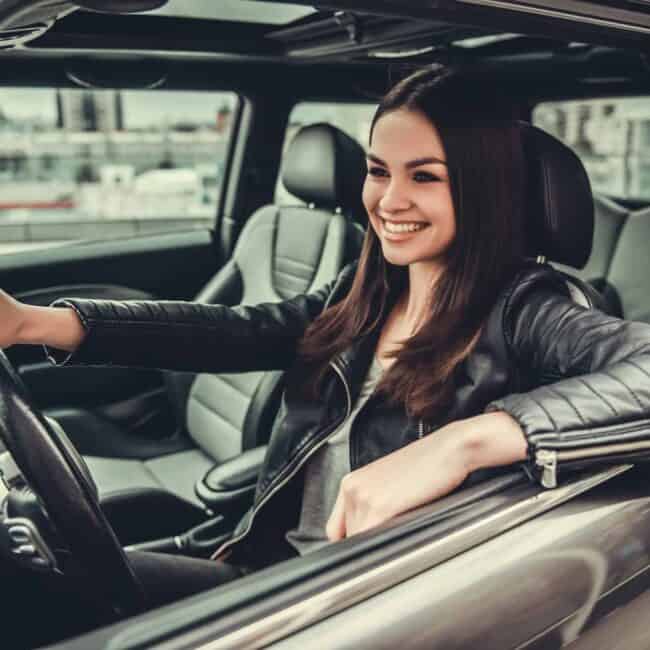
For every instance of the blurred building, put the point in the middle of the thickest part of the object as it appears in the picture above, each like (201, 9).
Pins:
(89, 111)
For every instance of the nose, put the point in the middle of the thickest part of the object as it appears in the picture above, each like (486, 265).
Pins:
(395, 198)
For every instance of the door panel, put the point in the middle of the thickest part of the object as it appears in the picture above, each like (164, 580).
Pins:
(173, 266)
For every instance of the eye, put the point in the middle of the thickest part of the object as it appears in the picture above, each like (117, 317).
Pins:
(378, 172)
(425, 177)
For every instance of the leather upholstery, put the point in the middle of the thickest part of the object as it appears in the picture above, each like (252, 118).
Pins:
(609, 225)
(237, 473)
(609, 221)
(95, 435)
(326, 167)
(619, 266)
(228, 488)
(560, 216)
(629, 271)
(280, 253)
(176, 473)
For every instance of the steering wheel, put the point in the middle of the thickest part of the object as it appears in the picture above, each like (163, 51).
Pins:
(56, 472)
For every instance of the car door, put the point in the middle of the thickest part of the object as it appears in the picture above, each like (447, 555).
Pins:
(502, 564)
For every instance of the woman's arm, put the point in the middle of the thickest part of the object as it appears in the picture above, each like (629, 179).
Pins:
(423, 471)
(58, 328)
(590, 397)
(589, 375)
(22, 323)
(174, 335)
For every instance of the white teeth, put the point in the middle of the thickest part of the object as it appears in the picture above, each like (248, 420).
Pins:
(403, 227)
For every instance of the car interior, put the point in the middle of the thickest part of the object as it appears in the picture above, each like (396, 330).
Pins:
(172, 458)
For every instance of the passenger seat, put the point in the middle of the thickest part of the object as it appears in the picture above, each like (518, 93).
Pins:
(609, 221)
(628, 275)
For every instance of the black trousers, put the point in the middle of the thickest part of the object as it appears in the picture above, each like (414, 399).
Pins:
(167, 578)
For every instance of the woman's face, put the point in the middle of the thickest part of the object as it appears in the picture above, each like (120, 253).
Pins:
(406, 192)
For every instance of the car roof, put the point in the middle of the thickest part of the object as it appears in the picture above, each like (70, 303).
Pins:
(537, 51)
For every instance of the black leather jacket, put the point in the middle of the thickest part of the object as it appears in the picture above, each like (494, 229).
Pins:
(576, 380)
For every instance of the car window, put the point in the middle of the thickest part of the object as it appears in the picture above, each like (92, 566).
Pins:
(87, 165)
(353, 119)
(611, 137)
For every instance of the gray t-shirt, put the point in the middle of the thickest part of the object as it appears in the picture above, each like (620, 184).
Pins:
(323, 475)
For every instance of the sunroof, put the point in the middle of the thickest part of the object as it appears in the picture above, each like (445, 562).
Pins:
(236, 10)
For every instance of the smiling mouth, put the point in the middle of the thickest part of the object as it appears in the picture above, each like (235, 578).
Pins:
(395, 227)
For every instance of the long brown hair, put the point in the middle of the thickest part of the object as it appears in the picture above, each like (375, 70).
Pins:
(486, 174)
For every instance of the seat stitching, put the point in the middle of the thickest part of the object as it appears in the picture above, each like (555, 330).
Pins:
(292, 276)
(284, 258)
(210, 408)
(90, 459)
(289, 276)
(232, 384)
(286, 269)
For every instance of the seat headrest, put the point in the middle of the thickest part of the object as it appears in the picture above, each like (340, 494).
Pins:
(560, 208)
(326, 167)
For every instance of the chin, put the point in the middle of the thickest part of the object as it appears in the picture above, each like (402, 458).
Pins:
(407, 258)
(399, 258)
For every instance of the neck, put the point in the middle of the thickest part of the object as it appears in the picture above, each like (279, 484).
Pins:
(418, 295)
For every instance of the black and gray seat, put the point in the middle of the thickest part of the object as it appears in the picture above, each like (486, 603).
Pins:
(281, 252)
(628, 274)
(600, 271)
(619, 265)
(560, 211)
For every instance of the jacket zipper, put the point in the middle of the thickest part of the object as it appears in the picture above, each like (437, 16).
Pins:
(298, 464)
(348, 395)
(548, 459)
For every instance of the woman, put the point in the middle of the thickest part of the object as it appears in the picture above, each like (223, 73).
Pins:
(392, 351)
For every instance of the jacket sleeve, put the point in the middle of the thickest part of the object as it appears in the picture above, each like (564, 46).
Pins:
(195, 337)
(589, 376)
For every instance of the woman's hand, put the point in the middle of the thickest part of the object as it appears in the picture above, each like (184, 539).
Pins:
(12, 320)
(423, 471)
(21, 323)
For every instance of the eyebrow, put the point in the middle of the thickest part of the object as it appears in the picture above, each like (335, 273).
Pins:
(429, 160)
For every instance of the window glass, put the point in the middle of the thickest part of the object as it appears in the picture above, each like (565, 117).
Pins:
(353, 119)
(611, 137)
(243, 11)
(88, 165)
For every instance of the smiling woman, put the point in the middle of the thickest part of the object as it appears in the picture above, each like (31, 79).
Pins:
(444, 195)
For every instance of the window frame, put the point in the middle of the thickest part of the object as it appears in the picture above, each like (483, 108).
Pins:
(215, 220)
